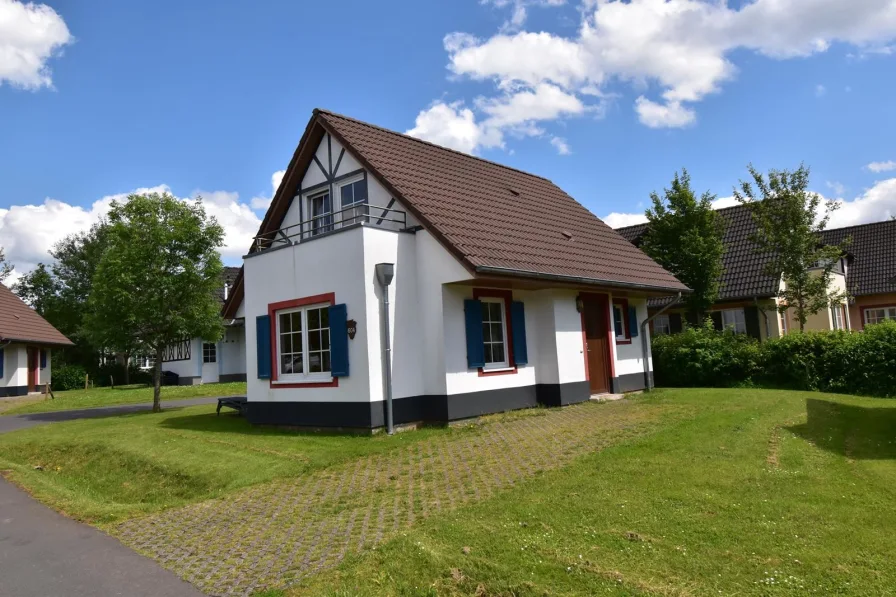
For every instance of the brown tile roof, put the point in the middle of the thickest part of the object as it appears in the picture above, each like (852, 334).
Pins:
(496, 219)
(872, 269)
(19, 322)
(743, 276)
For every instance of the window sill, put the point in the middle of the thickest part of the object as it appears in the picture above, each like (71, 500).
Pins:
(321, 382)
(623, 341)
(483, 372)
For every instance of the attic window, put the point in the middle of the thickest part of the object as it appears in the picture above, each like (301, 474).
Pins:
(566, 235)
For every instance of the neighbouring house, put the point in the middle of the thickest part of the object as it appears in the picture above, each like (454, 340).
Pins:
(26, 343)
(503, 291)
(748, 300)
(871, 277)
(198, 361)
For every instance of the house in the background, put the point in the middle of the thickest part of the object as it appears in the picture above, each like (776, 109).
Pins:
(26, 341)
(504, 292)
(747, 296)
(871, 277)
(198, 361)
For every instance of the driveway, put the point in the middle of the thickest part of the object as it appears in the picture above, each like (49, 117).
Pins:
(45, 554)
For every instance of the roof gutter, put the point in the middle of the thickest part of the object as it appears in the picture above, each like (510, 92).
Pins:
(505, 271)
(645, 349)
(34, 341)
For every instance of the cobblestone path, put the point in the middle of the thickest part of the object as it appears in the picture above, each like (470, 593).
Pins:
(271, 535)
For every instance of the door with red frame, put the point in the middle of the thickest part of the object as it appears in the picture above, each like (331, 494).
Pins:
(33, 368)
(597, 343)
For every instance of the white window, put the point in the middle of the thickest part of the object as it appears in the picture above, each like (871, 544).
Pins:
(321, 210)
(494, 333)
(144, 361)
(782, 317)
(661, 325)
(303, 344)
(353, 198)
(734, 318)
(619, 322)
(879, 314)
(209, 352)
(837, 317)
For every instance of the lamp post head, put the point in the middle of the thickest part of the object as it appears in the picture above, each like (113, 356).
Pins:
(385, 272)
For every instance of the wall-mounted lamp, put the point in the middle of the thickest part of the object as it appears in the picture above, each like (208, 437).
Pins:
(580, 304)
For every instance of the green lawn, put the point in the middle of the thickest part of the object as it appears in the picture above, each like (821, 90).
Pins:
(102, 470)
(749, 496)
(74, 399)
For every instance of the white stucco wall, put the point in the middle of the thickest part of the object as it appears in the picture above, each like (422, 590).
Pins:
(328, 264)
(629, 357)
(232, 351)
(15, 367)
(570, 348)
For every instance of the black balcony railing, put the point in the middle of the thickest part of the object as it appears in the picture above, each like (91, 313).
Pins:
(331, 222)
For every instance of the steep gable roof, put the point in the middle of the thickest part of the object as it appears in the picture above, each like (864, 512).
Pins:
(872, 269)
(21, 323)
(743, 276)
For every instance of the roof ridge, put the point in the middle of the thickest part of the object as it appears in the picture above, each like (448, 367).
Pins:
(437, 146)
(860, 225)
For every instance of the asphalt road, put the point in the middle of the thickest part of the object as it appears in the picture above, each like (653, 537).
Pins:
(45, 554)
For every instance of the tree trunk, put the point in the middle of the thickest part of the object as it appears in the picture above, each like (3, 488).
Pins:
(127, 368)
(157, 382)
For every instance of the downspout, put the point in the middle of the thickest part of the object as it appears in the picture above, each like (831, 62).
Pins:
(765, 315)
(384, 274)
(645, 348)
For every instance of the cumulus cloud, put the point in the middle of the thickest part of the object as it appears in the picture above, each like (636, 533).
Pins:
(27, 232)
(875, 204)
(561, 145)
(262, 203)
(519, 10)
(881, 166)
(30, 35)
(678, 51)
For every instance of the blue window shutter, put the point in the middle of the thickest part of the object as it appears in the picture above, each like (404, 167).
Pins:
(263, 345)
(518, 329)
(43, 358)
(339, 340)
(633, 322)
(475, 343)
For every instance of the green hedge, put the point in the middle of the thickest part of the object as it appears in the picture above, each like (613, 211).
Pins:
(836, 361)
(68, 377)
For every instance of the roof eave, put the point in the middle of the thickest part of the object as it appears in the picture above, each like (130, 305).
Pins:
(36, 341)
(502, 271)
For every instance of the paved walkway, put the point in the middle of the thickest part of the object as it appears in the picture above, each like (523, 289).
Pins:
(273, 534)
(45, 554)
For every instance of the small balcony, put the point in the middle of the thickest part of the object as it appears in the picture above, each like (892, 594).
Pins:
(331, 223)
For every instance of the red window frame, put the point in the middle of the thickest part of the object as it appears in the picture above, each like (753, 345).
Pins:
(330, 298)
(626, 324)
(507, 295)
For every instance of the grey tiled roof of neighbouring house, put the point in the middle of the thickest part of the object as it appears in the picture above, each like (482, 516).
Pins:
(872, 269)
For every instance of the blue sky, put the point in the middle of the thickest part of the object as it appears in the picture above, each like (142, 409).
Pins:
(607, 99)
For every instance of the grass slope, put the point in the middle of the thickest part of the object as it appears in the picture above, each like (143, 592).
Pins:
(102, 470)
(75, 399)
(759, 493)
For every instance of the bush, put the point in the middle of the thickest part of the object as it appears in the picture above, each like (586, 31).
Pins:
(705, 357)
(68, 377)
(830, 361)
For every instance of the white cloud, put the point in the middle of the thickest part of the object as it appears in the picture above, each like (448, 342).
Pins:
(838, 188)
(27, 232)
(681, 50)
(262, 203)
(881, 166)
(875, 204)
(454, 126)
(820, 90)
(30, 34)
(561, 145)
(518, 10)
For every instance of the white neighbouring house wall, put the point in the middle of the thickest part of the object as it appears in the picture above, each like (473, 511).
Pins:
(14, 380)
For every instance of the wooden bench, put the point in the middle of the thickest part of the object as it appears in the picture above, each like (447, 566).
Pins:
(237, 403)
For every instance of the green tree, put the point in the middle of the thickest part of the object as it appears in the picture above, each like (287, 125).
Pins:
(39, 289)
(686, 236)
(789, 221)
(156, 279)
(5, 266)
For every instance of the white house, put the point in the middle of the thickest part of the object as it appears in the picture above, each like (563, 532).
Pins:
(197, 361)
(506, 292)
(26, 341)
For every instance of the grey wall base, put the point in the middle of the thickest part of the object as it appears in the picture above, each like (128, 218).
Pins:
(427, 408)
(629, 383)
(189, 381)
(230, 377)
(13, 391)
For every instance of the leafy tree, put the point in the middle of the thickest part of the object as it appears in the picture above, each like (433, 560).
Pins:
(686, 236)
(155, 281)
(39, 289)
(789, 220)
(5, 266)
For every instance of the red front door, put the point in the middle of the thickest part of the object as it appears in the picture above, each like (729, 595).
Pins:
(33, 369)
(597, 343)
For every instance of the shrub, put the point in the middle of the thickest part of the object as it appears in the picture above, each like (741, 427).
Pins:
(68, 377)
(705, 357)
